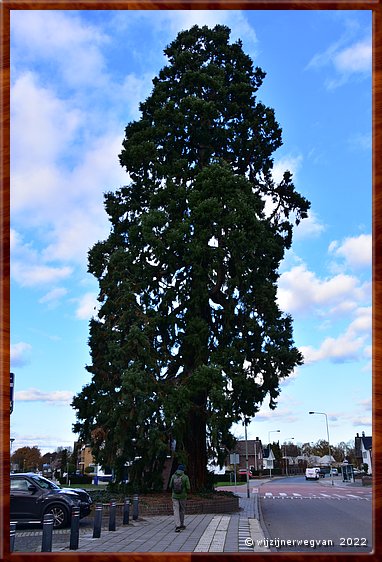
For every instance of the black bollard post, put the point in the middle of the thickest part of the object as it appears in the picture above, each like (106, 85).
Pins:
(126, 512)
(112, 510)
(47, 533)
(74, 529)
(12, 537)
(97, 521)
(135, 507)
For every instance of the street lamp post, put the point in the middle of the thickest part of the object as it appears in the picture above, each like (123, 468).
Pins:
(246, 454)
(269, 449)
(330, 453)
(286, 463)
(10, 452)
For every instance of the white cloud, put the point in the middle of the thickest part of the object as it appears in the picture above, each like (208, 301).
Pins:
(349, 346)
(343, 349)
(347, 57)
(289, 162)
(45, 443)
(281, 415)
(42, 130)
(310, 227)
(71, 43)
(87, 307)
(32, 275)
(363, 421)
(172, 22)
(366, 404)
(53, 297)
(301, 291)
(64, 397)
(20, 354)
(355, 251)
(28, 270)
(356, 58)
(68, 201)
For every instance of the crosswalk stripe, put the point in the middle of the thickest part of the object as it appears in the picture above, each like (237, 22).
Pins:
(318, 496)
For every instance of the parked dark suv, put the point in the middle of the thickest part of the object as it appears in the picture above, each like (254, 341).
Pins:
(32, 496)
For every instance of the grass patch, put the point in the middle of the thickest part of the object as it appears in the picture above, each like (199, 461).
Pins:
(229, 484)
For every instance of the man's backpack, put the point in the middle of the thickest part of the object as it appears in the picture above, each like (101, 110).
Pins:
(177, 484)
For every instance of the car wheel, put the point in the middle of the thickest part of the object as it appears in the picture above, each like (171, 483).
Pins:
(60, 515)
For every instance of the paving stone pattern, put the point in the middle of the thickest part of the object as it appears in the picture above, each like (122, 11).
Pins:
(203, 533)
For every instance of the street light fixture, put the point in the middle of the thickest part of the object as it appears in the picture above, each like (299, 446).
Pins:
(327, 431)
(269, 449)
(286, 462)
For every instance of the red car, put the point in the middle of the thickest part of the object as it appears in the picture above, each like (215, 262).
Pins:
(243, 472)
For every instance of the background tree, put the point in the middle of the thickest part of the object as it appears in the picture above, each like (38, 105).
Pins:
(63, 456)
(189, 338)
(321, 448)
(27, 458)
(290, 449)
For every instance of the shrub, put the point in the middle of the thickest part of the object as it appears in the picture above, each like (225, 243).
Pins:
(76, 479)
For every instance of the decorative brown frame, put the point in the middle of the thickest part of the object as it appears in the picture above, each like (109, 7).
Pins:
(5, 7)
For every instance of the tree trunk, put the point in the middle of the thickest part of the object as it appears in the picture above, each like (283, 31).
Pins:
(196, 446)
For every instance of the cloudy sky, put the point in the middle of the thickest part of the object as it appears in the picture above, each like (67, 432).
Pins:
(77, 78)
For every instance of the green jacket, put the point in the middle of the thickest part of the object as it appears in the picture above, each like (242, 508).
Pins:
(185, 486)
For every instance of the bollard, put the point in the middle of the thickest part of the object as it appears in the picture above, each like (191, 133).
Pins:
(112, 511)
(126, 512)
(74, 529)
(97, 521)
(47, 533)
(135, 507)
(12, 537)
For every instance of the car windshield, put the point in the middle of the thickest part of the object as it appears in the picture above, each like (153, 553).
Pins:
(44, 483)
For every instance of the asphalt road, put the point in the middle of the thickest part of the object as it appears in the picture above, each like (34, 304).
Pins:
(298, 510)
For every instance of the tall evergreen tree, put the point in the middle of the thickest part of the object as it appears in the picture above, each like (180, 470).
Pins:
(189, 338)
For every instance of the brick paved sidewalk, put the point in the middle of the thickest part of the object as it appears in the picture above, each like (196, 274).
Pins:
(234, 532)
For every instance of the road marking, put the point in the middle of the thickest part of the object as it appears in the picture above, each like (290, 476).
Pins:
(312, 496)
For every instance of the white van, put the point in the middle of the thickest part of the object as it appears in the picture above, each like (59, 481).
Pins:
(312, 474)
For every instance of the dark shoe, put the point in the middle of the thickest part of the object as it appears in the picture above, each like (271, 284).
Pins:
(177, 529)
(182, 527)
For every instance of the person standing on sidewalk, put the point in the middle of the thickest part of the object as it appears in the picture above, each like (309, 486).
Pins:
(180, 486)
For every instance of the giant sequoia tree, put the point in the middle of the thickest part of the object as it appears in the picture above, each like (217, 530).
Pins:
(189, 337)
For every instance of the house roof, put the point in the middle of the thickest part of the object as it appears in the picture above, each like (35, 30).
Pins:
(268, 453)
(367, 442)
(240, 447)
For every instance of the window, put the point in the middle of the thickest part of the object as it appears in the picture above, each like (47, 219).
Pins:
(19, 484)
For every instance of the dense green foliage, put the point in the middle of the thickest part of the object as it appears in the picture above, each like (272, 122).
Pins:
(189, 337)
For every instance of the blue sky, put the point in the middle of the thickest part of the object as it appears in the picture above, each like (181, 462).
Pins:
(77, 78)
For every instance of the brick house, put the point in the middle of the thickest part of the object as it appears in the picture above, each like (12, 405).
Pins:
(363, 451)
(255, 454)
